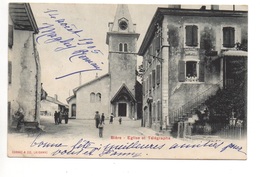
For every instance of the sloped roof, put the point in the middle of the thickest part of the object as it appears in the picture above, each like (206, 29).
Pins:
(53, 100)
(22, 17)
(123, 90)
(90, 82)
(69, 98)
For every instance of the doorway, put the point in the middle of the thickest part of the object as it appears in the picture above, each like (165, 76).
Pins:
(122, 109)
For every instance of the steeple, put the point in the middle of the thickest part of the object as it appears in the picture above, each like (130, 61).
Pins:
(122, 21)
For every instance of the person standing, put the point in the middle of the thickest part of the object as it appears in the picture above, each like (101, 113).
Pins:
(103, 118)
(56, 115)
(66, 116)
(97, 118)
(120, 120)
(101, 129)
(111, 118)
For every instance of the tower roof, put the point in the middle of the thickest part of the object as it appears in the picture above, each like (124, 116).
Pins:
(123, 14)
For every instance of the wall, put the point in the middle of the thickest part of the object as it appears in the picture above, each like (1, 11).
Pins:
(85, 109)
(210, 30)
(122, 67)
(24, 91)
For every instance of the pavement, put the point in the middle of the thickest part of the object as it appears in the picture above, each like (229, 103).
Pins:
(86, 127)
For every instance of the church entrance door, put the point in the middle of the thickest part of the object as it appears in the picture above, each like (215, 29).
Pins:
(122, 109)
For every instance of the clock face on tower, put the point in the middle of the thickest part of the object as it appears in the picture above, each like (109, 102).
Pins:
(123, 25)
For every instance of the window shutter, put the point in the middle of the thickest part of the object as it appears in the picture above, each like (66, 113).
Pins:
(194, 35)
(10, 36)
(143, 85)
(181, 71)
(157, 43)
(150, 82)
(228, 37)
(232, 37)
(201, 71)
(147, 85)
(188, 35)
(153, 78)
(158, 74)
(9, 72)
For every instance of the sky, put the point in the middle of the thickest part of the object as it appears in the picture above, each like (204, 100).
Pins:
(60, 47)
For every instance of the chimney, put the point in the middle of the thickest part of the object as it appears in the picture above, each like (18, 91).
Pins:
(214, 7)
(56, 97)
(174, 6)
(110, 26)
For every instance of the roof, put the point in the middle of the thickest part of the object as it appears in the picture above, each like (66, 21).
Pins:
(53, 100)
(161, 12)
(69, 98)
(239, 53)
(90, 82)
(22, 17)
(123, 91)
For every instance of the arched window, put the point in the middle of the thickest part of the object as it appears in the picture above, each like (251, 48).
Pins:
(98, 97)
(92, 97)
(125, 47)
(121, 47)
(73, 110)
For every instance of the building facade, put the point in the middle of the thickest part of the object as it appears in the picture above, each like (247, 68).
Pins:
(113, 92)
(183, 58)
(24, 71)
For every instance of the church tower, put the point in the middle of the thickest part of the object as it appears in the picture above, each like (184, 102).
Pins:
(121, 40)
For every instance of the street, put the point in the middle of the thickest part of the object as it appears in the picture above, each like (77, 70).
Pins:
(86, 128)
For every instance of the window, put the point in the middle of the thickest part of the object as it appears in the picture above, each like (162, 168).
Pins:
(228, 37)
(98, 97)
(125, 47)
(159, 110)
(150, 82)
(121, 47)
(191, 34)
(158, 74)
(191, 71)
(144, 87)
(10, 36)
(9, 72)
(153, 78)
(92, 97)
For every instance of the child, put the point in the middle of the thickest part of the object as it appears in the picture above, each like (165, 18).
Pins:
(101, 127)
(120, 120)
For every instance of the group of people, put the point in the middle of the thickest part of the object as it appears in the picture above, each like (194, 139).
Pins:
(58, 117)
(100, 121)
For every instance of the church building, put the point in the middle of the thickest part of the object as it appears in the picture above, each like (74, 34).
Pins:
(116, 91)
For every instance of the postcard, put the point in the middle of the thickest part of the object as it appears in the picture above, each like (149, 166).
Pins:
(127, 81)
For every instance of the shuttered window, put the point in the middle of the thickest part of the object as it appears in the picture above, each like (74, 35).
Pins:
(9, 72)
(191, 35)
(228, 37)
(158, 74)
(153, 78)
(10, 36)
(143, 86)
(150, 82)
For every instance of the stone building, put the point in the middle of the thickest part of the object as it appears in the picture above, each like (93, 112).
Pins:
(183, 58)
(51, 104)
(113, 92)
(24, 71)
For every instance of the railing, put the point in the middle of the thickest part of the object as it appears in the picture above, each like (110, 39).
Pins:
(182, 111)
